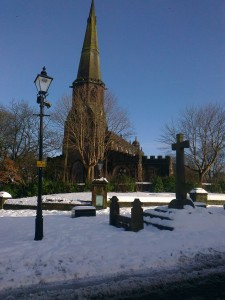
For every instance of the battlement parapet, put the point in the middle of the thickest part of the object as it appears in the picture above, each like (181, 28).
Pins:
(156, 158)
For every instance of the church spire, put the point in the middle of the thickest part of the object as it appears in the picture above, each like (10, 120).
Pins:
(89, 67)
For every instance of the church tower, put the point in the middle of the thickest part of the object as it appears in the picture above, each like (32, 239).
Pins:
(85, 128)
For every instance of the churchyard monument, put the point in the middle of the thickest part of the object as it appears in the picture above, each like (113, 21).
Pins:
(181, 193)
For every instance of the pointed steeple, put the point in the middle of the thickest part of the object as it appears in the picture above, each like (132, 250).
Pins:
(89, 67)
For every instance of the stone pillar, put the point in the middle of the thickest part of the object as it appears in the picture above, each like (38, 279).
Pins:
(99, 193)
(199, 195)
(114, 211)
(136, 216)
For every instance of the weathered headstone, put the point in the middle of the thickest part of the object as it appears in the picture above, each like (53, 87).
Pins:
(181, 193)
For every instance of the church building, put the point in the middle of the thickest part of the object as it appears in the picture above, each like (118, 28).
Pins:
(87, 140)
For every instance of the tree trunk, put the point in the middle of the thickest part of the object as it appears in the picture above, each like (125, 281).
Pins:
(65, 177)
(200, 178)
(88, 178)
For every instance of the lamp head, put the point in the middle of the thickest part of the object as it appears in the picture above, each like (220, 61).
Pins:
(42, 82)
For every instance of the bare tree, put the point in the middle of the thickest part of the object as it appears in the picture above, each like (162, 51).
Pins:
(59, 115)
(22, 130)
(85, 129)
(92, 138)
(204, 127)
(19, 129)
(117, 118)
(4, 122)
(217, 171)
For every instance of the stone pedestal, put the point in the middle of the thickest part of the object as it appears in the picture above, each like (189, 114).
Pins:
(99, 193)
(3, 197)
(199, 195)
(180, 203)
(2, 200)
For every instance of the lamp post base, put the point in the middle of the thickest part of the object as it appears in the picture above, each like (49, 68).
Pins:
(38, 228)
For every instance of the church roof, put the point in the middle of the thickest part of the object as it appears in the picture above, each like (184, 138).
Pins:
(89, 67)
(119, 144)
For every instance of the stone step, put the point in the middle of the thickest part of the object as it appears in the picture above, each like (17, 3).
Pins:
(163, 209)
(161, 212)
(156, 215)
(159, 217)
(159, 226)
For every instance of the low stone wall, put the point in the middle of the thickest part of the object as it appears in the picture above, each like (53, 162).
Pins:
(215, 202)
(68, 207)
(132, 223)
(45, 206)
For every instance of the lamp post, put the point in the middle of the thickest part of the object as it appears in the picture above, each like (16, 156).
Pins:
(42, 82)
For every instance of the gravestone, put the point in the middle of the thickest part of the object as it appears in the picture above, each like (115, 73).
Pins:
(181, 193)
(3, 197)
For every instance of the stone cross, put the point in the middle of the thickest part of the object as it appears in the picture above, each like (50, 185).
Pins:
(180, 173)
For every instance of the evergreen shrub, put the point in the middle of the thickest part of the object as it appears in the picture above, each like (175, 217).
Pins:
(215, 188)
(169, 184)
(157, 185)
(31, 189)
(122, 183)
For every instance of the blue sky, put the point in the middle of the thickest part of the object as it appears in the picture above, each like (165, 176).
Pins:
(157, 56)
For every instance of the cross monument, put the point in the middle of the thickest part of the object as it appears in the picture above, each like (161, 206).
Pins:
(181, 194)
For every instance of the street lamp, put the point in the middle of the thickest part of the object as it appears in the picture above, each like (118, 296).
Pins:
(42, 82)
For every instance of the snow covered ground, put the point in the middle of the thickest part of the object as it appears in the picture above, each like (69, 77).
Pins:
(86, 196)
(123, 197)
(88, 247)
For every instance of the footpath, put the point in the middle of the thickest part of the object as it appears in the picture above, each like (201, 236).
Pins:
(202, 281)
